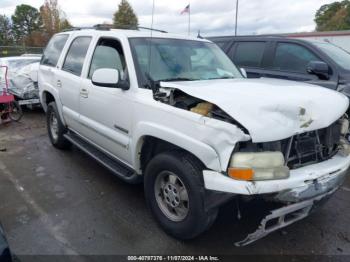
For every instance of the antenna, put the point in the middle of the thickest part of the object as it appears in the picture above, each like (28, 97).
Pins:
(150, 46)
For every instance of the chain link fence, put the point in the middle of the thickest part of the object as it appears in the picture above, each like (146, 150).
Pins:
(19, 50)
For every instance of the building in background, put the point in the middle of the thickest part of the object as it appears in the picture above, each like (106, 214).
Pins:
(338, 38)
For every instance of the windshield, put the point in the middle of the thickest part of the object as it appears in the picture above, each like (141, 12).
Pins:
(180, 60)
(340, 56)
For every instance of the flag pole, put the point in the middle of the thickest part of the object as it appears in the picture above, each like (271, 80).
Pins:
(189, 18)
(236, 17)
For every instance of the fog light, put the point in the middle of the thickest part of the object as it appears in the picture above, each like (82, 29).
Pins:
(253, 166)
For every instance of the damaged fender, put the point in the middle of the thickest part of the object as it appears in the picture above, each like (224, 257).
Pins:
(211, 140)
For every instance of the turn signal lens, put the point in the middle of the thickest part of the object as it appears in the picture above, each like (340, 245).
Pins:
(241, 173)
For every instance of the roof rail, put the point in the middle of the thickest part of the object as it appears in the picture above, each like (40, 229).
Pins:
(96, 27)
(107, 27)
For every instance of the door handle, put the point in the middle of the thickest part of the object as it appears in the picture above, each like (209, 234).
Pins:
(59, 83)
(84, 93)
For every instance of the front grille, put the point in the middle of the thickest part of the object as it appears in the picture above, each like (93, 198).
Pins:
(312, 147)
(303, 149)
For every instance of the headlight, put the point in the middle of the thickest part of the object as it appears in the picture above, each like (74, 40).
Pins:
(258, 166)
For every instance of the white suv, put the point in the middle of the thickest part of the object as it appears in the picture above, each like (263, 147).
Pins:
(175, 113)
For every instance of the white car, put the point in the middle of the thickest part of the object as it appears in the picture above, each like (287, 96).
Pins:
(174, 112)
(21, 75)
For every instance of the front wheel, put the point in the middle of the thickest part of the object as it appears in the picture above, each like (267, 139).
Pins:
(175, 194)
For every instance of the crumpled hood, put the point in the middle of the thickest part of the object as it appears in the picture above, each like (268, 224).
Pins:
(270, 109)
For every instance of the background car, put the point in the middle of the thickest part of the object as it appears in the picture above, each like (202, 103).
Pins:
(22, 78)
(314, 62)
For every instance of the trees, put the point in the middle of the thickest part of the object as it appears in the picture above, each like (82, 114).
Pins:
(6, 36)
(53, 18)
(334, 16)
(32, 27)
(26, 20)
(125, 16)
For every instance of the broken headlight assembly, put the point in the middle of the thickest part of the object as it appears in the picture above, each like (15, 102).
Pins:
(254, 166)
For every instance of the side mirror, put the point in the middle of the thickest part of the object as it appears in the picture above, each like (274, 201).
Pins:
(107, 77)
(244, 72)
(319, 68)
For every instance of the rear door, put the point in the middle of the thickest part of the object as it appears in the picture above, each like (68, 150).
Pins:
(49, 60)
(289, 62)
(249, 55)
(68, 79)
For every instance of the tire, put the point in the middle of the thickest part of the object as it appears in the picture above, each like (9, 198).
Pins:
(55, 128)
(16, 112)
(179, 218)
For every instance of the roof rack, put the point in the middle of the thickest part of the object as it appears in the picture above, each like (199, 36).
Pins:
(107, 27)
(96, 27)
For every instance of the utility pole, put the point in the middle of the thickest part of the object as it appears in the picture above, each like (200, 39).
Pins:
(236, 17)
(189, 18)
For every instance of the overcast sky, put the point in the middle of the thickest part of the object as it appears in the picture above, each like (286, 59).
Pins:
(208, 16)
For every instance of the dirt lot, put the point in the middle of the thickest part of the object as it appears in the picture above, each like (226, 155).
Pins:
(56, 202)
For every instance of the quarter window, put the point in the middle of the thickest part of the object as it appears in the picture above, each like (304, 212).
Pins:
(249, 54)
(76, 55)
(292, 57)
(53, 50)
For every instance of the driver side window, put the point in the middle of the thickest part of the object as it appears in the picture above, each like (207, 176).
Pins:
(108, 54)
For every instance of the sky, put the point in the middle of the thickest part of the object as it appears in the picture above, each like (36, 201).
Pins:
(210, 17)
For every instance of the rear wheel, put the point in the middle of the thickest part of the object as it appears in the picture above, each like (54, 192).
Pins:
(16, 112)
(175, 194)
(55, 128)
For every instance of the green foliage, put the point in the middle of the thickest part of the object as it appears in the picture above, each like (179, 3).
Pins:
(65, 24)
(334, 16)
(26, 20)
(6, 36)
(125, 16)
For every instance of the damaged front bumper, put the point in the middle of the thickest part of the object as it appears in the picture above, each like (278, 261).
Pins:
(305, 187)
(304, 182)
(282, 217)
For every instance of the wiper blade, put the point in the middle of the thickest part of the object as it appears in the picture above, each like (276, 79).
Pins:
(224, 77)
(152, 84)
(177, 79)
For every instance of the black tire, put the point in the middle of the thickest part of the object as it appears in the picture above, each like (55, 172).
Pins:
(16, 111)
(189, 170)
(57, 139)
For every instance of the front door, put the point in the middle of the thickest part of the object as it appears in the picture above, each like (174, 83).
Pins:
(105, 112)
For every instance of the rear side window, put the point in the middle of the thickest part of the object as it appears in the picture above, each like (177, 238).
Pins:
(292, 57)
(249, 54)
(53, 50)
(76, 55)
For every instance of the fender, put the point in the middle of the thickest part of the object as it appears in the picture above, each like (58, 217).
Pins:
(202, 151)
(55, 94)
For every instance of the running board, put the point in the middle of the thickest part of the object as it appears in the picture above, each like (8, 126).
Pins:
(115, 166)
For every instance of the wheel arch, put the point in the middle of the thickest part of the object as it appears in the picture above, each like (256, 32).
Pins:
(46, 98)
(156, 139)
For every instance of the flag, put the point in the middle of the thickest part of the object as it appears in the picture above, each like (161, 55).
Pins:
(186, 10)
